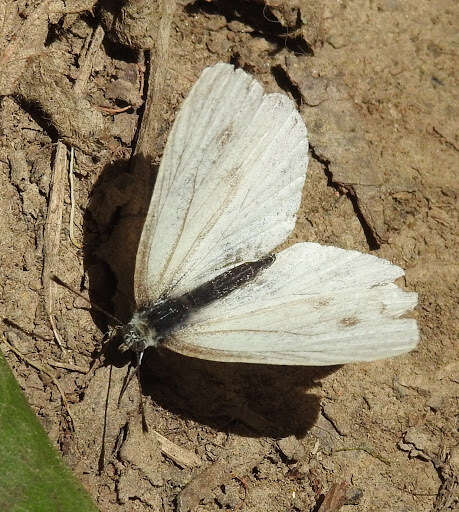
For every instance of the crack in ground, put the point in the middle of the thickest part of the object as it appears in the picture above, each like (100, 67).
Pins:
(368, 231)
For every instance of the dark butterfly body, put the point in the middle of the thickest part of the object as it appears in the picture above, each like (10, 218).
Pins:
(153, 322)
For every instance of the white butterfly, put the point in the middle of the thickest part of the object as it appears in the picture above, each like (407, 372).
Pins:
(227, 193)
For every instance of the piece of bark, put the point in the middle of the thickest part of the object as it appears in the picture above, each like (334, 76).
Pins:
(158, 68)
(335, 498)
(52, 232)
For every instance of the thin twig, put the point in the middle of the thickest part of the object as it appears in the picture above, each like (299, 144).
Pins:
(88, 63)
(112, 110)
(68, 366)
(72, 202)
(57, 336)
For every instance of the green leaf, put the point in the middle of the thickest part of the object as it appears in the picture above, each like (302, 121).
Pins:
(33, 477)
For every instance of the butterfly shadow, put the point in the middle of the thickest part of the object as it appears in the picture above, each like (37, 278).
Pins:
(247, 399)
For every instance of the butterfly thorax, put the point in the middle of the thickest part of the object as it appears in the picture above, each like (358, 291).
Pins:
(139, 334)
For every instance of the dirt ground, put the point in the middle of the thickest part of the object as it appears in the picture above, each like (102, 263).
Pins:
(376, 83)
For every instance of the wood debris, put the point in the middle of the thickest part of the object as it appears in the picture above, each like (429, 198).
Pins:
(335, 498)
(181, 456)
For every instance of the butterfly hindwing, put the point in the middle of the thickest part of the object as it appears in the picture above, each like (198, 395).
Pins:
(315, 305)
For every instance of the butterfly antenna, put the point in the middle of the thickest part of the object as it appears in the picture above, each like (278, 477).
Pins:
(101, 463)
(94, 306)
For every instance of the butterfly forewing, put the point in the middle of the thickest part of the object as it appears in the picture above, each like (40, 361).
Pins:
(228, 187)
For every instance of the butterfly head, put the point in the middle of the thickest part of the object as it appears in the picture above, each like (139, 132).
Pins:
(138, 335)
